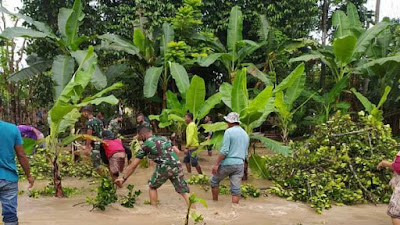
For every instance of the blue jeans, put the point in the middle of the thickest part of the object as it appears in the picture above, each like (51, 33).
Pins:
(9, 203)
(235, 173)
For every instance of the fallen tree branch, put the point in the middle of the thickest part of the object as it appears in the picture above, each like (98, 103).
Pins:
(368, 193)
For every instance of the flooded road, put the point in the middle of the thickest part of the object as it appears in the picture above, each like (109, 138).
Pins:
(270, 210)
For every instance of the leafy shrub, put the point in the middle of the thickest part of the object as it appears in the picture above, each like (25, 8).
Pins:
(106, 194)
(337, 163)
(224, 190)
(49, 190)
(199, 179)
(130, 200)
(249, 190)
(42, 168)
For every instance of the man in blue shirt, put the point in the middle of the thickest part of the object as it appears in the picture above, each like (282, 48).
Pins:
(11, 145)
(230, 161)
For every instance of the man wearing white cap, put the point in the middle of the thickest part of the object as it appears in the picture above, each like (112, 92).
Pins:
(230, 161)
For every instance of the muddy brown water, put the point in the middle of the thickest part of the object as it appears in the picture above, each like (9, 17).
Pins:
(270, 210)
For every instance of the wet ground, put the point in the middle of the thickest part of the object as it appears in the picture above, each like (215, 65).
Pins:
(270, 210)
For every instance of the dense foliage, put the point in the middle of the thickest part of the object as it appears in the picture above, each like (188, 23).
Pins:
(335, 164)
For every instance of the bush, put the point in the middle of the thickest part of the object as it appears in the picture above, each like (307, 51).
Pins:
(106, 194)
(42, 167)
(336, 164)
(129, 200)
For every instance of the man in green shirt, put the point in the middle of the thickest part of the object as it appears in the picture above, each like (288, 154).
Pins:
(160, 150)
(115, 125)
(192, 144)
(94, 128)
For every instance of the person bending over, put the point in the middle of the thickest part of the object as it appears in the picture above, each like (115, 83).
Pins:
(168, 167)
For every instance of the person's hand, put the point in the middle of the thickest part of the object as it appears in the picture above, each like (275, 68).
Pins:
(214, 169)
(380, 165)
(119, 182)
(31, 181)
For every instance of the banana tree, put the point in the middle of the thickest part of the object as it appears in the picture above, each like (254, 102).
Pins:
(63, 65)
(328, 102)
(159, 70)
(65, 112)
(350, 45)
(284, 100)
(194, 102)
(253, 113)
(236, 49)
(372, 109)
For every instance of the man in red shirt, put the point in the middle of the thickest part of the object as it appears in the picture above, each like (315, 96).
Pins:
(115, 153)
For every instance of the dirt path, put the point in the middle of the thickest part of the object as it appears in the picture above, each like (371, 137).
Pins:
(269, 210)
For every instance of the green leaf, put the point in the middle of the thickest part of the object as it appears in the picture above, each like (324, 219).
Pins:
(68, 140)
(341, 22)
(115, 71)
(352, 14)
(280, 104)
(218, 126)
(28, 72)
(139, 40)
(98, 79)
(69, 120)
(209, 104)
(291, 78)
(336, 90)
(257, 107)
(264, 29)
(29, 145)
(167, 37)
(384, 97)
(239, 92)
(235, 28)
(103, 92)
(178, 72)
(269, 108)
(226, 91)
(380, 61)
(172, 100)
(63, 15)
(210, 59)
(14, 32)
(248, 48)
(259, 102)
(151, 81)
(74, 20)
(369, 106)
(63, 68)
(272, 145)
(305, 58)
(176, 118)
(195, 95)
(343, 48)
(365, 40)
(118, 43)
(293, 92)
(257, 165)
(255, 72)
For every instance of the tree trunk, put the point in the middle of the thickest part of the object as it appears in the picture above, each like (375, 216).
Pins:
(377, 9)
(57, 179)
(324, 26)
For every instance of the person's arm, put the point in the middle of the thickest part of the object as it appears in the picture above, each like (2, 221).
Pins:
(223, 152)
(37, 133)
(88, 141)
(385, 164)
(23, 160)
(176, 149)
(127, 172)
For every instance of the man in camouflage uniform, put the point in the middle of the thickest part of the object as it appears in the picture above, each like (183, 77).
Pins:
(95, 128)
(168, 167)
(115, 125)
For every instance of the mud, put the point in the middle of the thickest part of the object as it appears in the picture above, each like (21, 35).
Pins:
(269, 210)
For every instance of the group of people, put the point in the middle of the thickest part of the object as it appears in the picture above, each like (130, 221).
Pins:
(229, 163)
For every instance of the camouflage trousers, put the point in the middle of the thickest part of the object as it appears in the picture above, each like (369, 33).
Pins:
(96, 157)
(174, 173)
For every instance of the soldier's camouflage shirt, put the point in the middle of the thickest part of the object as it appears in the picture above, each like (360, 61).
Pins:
(95, 125)
(159, 150)
(114, 126)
